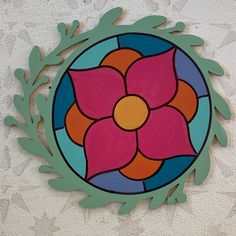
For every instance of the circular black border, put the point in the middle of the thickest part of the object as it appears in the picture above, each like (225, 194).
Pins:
(209, 125)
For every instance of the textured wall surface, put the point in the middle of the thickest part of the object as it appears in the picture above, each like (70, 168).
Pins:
(28, 206)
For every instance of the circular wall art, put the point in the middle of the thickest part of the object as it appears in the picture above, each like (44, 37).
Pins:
(133, 118)
(131, 112)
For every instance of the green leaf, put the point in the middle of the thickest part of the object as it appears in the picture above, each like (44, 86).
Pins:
(222, 106)
(202, 169)
(19, 73)
(64, 184)
(46, 169)
(94, 202)
(53, 59)
(179, 27)
(110, 17)
(158, 199)
(43, 80)
(31, 146)
(34, 60)
(190, 40)
(42, 104)
(220, 134)
(62, 29)
(213, 67)
(127, 207)
(72, 28)
(150, 21)
(19, 104)
(11, 121)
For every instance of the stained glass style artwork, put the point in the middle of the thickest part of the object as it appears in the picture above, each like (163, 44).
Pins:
(133, 118)
(131, 112)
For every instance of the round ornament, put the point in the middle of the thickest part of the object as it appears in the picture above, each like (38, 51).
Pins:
(130, 114)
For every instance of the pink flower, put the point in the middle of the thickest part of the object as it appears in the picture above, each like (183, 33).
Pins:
(131, 113)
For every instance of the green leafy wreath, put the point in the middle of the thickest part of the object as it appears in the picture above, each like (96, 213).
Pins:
(31, 82)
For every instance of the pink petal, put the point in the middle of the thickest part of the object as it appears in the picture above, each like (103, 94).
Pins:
(108, 147)
(97, 90)
(153, 78)
(165, 135)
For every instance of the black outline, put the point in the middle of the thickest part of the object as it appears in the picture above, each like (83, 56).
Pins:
(62, 154)
(65, 127)
(94, 68)
(66, 124)
(173, 64)
(118, 43)
(176, 81)
(87, 179)
(172, 179)
(203, 96)
(147, 177)
(79, 108)
(131, 130)
(186, 122)
(197, 98)
(53, 104)
(117, 49)
(188, 130)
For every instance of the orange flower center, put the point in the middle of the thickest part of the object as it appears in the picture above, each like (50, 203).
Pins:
(131, 112)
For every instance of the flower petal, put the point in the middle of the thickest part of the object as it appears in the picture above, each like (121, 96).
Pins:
(153, 78)
(185, 100)
(141, 167)
(76, 124)
(121, 59)
(165, 135)
(108, 147)
(97, 90)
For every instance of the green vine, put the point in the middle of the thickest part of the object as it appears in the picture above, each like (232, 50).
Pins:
(34, 80)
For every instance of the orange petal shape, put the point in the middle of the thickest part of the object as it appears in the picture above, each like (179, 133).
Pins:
(185, 100)
(141, 167)
(77, 124)
(121, 59)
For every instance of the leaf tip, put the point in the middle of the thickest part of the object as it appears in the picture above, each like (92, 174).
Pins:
(19, 73)
(61, 27)
(180, 26)
(9, 120)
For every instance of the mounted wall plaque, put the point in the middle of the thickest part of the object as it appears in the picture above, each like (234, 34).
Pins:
(131, 112)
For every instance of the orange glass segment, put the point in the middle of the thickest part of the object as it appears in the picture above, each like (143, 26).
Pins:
(121, 59)
(141, 167)
(77, 124)
(185, 100)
